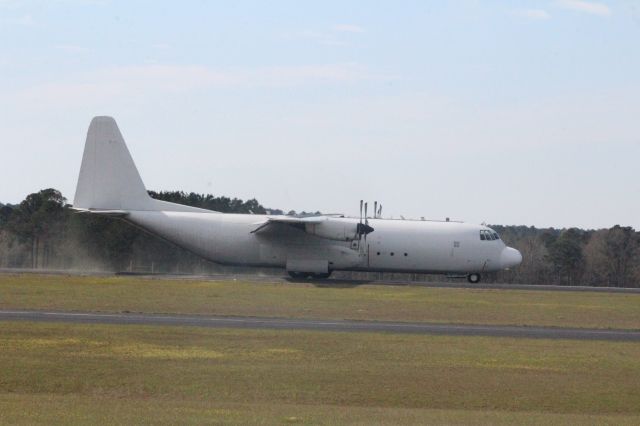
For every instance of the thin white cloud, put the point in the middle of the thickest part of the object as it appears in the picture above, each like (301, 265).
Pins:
(72, 48)
(332, 36)
(307, 74)
(17, 4)
(24, 20)
(152, 79)
(590, 7)
(536, 14)
(325, 39)
(161, 46)
(11, 4)
(348, 28)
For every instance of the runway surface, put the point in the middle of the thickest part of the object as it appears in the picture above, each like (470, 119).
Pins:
(322, 325)
(332, 282)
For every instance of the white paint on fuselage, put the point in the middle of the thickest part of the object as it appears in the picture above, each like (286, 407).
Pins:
(110, 184)
(430, 246)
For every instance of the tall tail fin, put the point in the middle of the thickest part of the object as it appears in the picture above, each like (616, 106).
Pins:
(108, 177)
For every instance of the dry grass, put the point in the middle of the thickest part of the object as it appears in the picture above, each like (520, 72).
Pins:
(63, 373)
(513, 307)
(47, 409)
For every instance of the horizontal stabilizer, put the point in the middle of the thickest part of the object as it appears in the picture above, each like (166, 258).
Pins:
(111, 213)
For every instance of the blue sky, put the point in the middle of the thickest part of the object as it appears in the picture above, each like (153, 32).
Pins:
(521, 112)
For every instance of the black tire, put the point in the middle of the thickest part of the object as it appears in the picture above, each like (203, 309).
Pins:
(297, 275)
(473, 278)
(320, 276)
(308, 275)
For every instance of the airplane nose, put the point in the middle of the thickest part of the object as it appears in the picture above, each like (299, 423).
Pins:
(510, 257)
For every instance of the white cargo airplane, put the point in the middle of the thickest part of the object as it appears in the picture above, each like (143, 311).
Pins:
(109, 184)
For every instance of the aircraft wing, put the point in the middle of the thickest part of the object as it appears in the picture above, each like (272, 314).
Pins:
(299, 222)
(329, 227)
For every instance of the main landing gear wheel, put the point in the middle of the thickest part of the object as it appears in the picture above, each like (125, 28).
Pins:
(309, 275)
(320, 276)
(297, 275)
(473, 278)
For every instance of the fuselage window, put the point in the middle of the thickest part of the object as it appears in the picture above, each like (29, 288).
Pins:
(406, 254)
(392, 253)
(482, 236)
(495, 236)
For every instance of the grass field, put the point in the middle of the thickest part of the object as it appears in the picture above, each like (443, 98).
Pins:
(113, 374)
(69, 374)
(506, 307)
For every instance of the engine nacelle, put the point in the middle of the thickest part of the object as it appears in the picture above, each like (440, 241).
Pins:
(333, 229)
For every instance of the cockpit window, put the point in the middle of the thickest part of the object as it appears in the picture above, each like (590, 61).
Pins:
(488, 235)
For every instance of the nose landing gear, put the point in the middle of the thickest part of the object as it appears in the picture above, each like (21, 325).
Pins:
(473, 278)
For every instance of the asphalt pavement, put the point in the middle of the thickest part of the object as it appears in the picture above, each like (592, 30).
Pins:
(321, 325)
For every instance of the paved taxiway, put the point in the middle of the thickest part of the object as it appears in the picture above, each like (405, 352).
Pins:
(322, 325)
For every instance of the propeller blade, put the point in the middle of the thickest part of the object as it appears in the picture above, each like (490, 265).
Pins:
(366, 222)
(359, 227)
(380, 210)
(375, 209)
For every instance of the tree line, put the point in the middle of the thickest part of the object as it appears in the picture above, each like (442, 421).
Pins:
(44, 232)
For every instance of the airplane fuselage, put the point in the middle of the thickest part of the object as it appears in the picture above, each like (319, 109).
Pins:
(109, 184)
(395, 246)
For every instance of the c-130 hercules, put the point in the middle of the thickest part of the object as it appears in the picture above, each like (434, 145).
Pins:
(109, 184)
